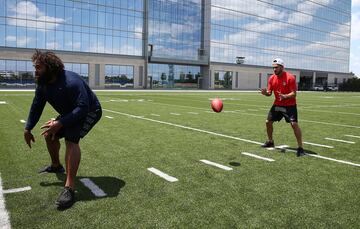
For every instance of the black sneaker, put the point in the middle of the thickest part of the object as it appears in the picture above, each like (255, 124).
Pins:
(50, 169)
(268, 144)
(300, 152)
(66, 198)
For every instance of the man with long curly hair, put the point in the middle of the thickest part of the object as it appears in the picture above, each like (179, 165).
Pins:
(79, 110)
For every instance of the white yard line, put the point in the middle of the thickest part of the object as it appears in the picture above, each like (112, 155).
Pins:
(22, 121)
(330, 124)
(4, 216)
(109, 117)
(3, 102)
(320, 145)
(177, 114)
(328, 158)
(340, 140)
(194, 113)
(332, 112)
(162, 174)
(185, 127)
(258, 157)
(282, 147)
(258, 115)
(216, 165)
(216, 134)
(15, 190)
(332, 159)
(352, 136)
(96, 190)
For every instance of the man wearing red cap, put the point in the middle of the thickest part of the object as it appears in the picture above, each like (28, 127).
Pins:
(283, 84)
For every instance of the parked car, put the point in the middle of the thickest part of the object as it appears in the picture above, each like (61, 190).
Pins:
(318, 88)
(332, 88)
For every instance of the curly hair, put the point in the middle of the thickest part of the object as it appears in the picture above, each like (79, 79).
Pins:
(53, 63)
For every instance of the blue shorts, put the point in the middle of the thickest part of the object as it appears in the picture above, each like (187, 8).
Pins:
(81, 128)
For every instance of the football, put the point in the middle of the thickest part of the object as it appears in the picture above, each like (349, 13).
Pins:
(217, 105)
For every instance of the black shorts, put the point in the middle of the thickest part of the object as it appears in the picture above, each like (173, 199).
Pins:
(81, 128)
(276, 113)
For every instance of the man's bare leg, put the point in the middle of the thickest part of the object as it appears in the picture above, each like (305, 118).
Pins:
(53, 146)
(72, 159)
(297, 132)
(269, 130)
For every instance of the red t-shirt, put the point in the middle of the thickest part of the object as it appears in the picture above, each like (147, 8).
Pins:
(284, 84)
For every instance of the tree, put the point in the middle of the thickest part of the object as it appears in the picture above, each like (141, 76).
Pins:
(163, 76)
(352, 84)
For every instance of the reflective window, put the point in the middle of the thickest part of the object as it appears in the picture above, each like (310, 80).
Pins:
(84, 26)
(175, 28)
(81, 69)
(16, 73)
(119, 76)
(173, 76)
(306, 34)
(223, 80)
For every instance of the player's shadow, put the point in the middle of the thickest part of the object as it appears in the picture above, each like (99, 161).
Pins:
(305, 150)
(110, 185)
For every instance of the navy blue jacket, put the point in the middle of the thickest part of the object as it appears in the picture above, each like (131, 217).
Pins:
(69, 95)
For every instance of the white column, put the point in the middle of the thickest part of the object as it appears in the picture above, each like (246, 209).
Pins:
(92, 75)
(102, 76)
(314, 78)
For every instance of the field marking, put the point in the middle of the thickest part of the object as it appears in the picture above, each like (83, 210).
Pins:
(329, 123)
(109, 117)
(328, 158)
(303, 120)
(118, 100)
(15, 190)
(4, 216)
(216, 165)
(177, 114)
(340, 140)
(3, 102)
(241, 112)
(194, 113)
(155, 115)
(217, 134)
(185, 127)
(22, 121)
(162, 174)
(258, 157)
(96, 190)
(315, 144)
(333, 112)
(352, 136)
(332, 159)
(282, 147)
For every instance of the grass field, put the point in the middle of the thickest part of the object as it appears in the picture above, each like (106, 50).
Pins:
(172, 132)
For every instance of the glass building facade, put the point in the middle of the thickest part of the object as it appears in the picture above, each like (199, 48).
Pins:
(311, 35)
(175, 28)
(119, 76)
(173, 76)
(176, 43)
(102, 26)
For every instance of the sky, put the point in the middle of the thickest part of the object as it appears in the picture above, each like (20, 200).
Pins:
(355, 38)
